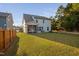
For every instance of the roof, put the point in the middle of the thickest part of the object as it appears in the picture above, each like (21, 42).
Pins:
(4, 14)
(29, 17)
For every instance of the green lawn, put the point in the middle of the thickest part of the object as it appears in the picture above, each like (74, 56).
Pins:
(47, 44)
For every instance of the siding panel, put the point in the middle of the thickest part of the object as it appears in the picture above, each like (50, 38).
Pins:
(2, 22)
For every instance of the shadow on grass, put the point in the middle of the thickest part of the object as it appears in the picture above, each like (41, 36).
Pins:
(13, 48)
(68, 39)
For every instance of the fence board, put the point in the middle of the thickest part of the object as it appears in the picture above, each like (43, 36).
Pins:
(1, 40)
(7, 38)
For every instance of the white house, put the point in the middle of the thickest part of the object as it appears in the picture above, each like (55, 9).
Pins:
(37, 24)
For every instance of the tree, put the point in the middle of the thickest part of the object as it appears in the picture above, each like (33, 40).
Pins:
(67, 17)
(71, 17)
(60, 12)
(53, 24)
(58, 18)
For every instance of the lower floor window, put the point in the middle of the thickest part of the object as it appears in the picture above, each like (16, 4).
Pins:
(40, 28)
(47, 28)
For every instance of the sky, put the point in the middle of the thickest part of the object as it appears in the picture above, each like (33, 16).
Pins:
(18, 9)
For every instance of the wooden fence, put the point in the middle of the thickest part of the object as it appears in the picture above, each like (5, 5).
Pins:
(6, 38)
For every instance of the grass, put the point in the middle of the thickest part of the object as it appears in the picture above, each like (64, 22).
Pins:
(12, 51)
(48, 44)
(45, 44)
(68, 39)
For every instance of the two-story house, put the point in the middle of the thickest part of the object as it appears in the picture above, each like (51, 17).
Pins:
(34, 23)
(6, 20)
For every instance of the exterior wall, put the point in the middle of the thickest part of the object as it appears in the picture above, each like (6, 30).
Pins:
(3, 22)
(24, 27)
(47, 23)
(9, 22)
(40, 24)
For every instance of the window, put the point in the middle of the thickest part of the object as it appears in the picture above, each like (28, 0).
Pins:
(40, 28)
(47, 28)
(36, 21)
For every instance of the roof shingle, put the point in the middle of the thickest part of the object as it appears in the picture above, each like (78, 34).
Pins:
(28, 17)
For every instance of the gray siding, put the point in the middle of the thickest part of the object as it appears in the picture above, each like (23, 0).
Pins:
(2, 22)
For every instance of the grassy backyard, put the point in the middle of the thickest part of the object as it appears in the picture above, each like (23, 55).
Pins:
(44, 44)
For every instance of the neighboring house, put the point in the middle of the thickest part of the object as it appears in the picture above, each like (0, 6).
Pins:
(6, 21)
(34, 23)
(17, 28)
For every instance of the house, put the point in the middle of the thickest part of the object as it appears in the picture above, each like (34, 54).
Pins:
(34, 23)
(6, 21)
(17, 28)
